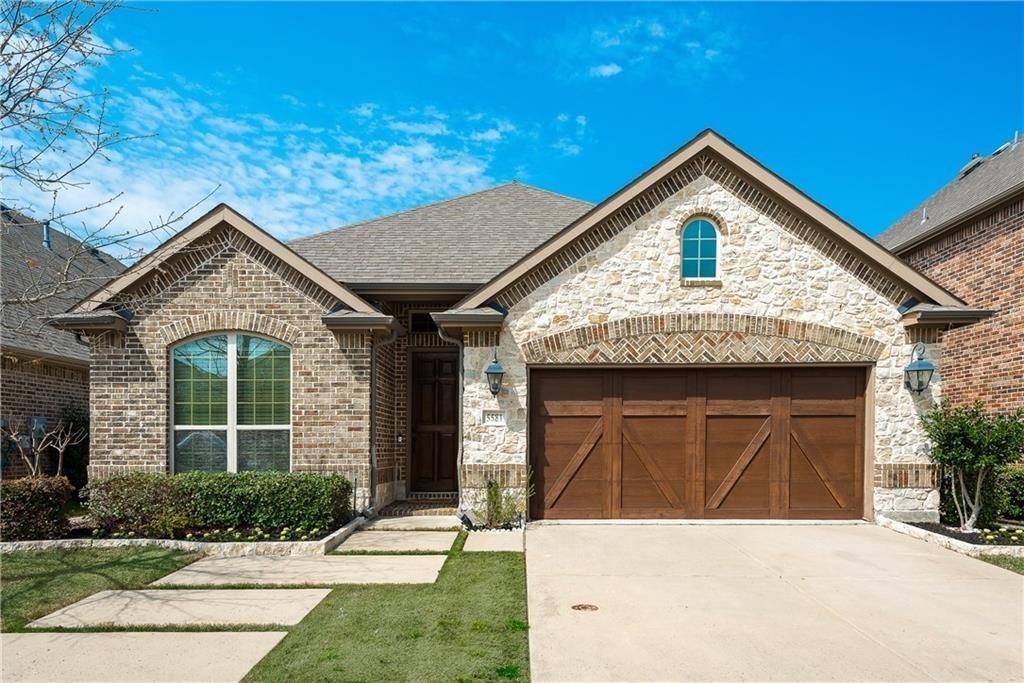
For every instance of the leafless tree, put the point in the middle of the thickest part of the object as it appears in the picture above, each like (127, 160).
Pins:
(32, 442)
(53, 124)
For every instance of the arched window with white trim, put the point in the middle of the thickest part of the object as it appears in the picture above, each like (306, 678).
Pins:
(700, 250)
(231, 404)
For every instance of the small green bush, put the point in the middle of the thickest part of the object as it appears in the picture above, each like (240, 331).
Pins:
(1013, 486)
(33, 508)
(146, 504)
(270, 500)
(168, 506)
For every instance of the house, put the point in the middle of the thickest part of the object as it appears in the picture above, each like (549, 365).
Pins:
(706, 342)
(45, 370)
(969, 237)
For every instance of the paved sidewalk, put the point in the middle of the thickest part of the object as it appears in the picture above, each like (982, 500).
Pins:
(304, 570)
(187, 607)
(494, 541)
(132, 657)
(399, 541)
(765, 603)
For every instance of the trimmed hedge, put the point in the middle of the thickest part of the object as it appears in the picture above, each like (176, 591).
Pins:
(32, 508)
(168, 506)
(1013, 489)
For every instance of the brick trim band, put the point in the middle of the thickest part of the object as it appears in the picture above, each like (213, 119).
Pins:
(703, 338)
(216, 321)
(906, 476)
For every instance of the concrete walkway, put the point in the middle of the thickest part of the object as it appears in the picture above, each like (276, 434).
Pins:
(399, 541)
(187, 607)
(765, 603)
(300, 570)
(494, 541)
(132, 656)
(415, 523)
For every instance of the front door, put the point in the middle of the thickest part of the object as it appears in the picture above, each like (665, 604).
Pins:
(434, 421)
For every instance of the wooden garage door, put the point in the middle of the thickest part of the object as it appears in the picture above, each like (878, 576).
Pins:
(744, 443)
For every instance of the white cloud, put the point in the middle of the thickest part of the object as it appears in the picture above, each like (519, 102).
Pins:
(605, 70)
(365, 110)
(567, 147)
(292, 100)
(419, 128)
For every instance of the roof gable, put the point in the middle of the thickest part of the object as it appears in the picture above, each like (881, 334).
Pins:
(465, 240)
(671, 174)
(220, 215)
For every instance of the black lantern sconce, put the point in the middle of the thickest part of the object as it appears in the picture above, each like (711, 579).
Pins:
(495, 373)
(918, 374)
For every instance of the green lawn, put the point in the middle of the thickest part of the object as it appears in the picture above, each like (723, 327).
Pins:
(33, 584)
(469, 625)
(1014, 564)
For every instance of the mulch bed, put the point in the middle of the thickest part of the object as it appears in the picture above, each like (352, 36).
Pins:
(995, 535)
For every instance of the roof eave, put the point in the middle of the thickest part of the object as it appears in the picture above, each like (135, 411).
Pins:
(948, 319)
(74, 322)
(950, 223)
(358, 322)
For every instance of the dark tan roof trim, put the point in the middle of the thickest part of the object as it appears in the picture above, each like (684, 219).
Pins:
(709, 140)
(930, 315)
(89, 321)
(356, 321)
(223, 213)
(469, 318)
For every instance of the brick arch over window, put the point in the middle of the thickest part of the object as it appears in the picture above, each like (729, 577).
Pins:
(709, 214)
(703, 338)
(216, 321)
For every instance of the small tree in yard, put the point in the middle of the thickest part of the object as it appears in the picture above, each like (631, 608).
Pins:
(973, 445)
(31, 443)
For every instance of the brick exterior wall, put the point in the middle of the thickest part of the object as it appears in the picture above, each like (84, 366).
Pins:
(37, 388)
(982, 262)
(228, 283)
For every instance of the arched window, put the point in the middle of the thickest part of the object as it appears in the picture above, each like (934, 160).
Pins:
(231, 404)
(700, 250)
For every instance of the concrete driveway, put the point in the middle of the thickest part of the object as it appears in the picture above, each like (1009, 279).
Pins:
(809, 603)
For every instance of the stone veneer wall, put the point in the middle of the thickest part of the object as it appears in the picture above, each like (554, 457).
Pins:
(775, 272)
(32, 387)
(982, 262)
(228, 283)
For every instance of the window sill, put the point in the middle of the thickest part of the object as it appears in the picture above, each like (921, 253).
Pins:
(700, 282)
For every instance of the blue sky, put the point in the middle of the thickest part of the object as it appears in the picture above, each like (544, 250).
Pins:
(310, 116)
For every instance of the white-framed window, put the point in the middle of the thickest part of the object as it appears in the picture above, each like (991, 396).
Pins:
(700, 250)
(230, 404)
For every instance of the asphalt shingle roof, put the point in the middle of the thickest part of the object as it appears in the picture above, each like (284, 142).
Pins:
(28, 269)
(465, 240)
(996, 174)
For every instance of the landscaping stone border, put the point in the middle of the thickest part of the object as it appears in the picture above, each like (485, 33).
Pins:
(953, 544)
(213, 549)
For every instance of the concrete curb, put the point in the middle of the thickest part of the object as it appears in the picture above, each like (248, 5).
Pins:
(953, 544)
(234, 549)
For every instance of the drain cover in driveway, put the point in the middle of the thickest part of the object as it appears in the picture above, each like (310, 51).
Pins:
(583, 607)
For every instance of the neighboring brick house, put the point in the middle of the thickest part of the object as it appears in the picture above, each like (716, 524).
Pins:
(969, 238)
(706, 342)
(44, 371)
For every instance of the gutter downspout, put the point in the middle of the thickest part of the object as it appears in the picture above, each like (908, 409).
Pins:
(374, 346)
(462, 382)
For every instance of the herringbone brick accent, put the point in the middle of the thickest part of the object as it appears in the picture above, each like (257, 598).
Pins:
(703, 338)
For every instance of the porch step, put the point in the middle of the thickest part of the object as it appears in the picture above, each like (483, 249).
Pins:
(421, 508)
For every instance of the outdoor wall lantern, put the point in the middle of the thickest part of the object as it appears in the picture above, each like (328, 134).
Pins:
(494, 373)
(918, 374)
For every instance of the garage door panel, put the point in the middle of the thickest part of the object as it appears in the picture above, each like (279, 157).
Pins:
(723, 443)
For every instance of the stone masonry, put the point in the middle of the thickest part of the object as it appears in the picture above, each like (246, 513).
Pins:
(784, 294)
(228, 283)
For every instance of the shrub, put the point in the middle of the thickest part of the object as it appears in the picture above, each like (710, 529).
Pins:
(165, 505)
(269, 500)
(33, 508)
(1013, 485)
(147, 504)
(993, 501)
(972, 446)
(501, 507)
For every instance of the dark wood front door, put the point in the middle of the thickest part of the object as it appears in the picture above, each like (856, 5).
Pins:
(728, 443)
(434, 421)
